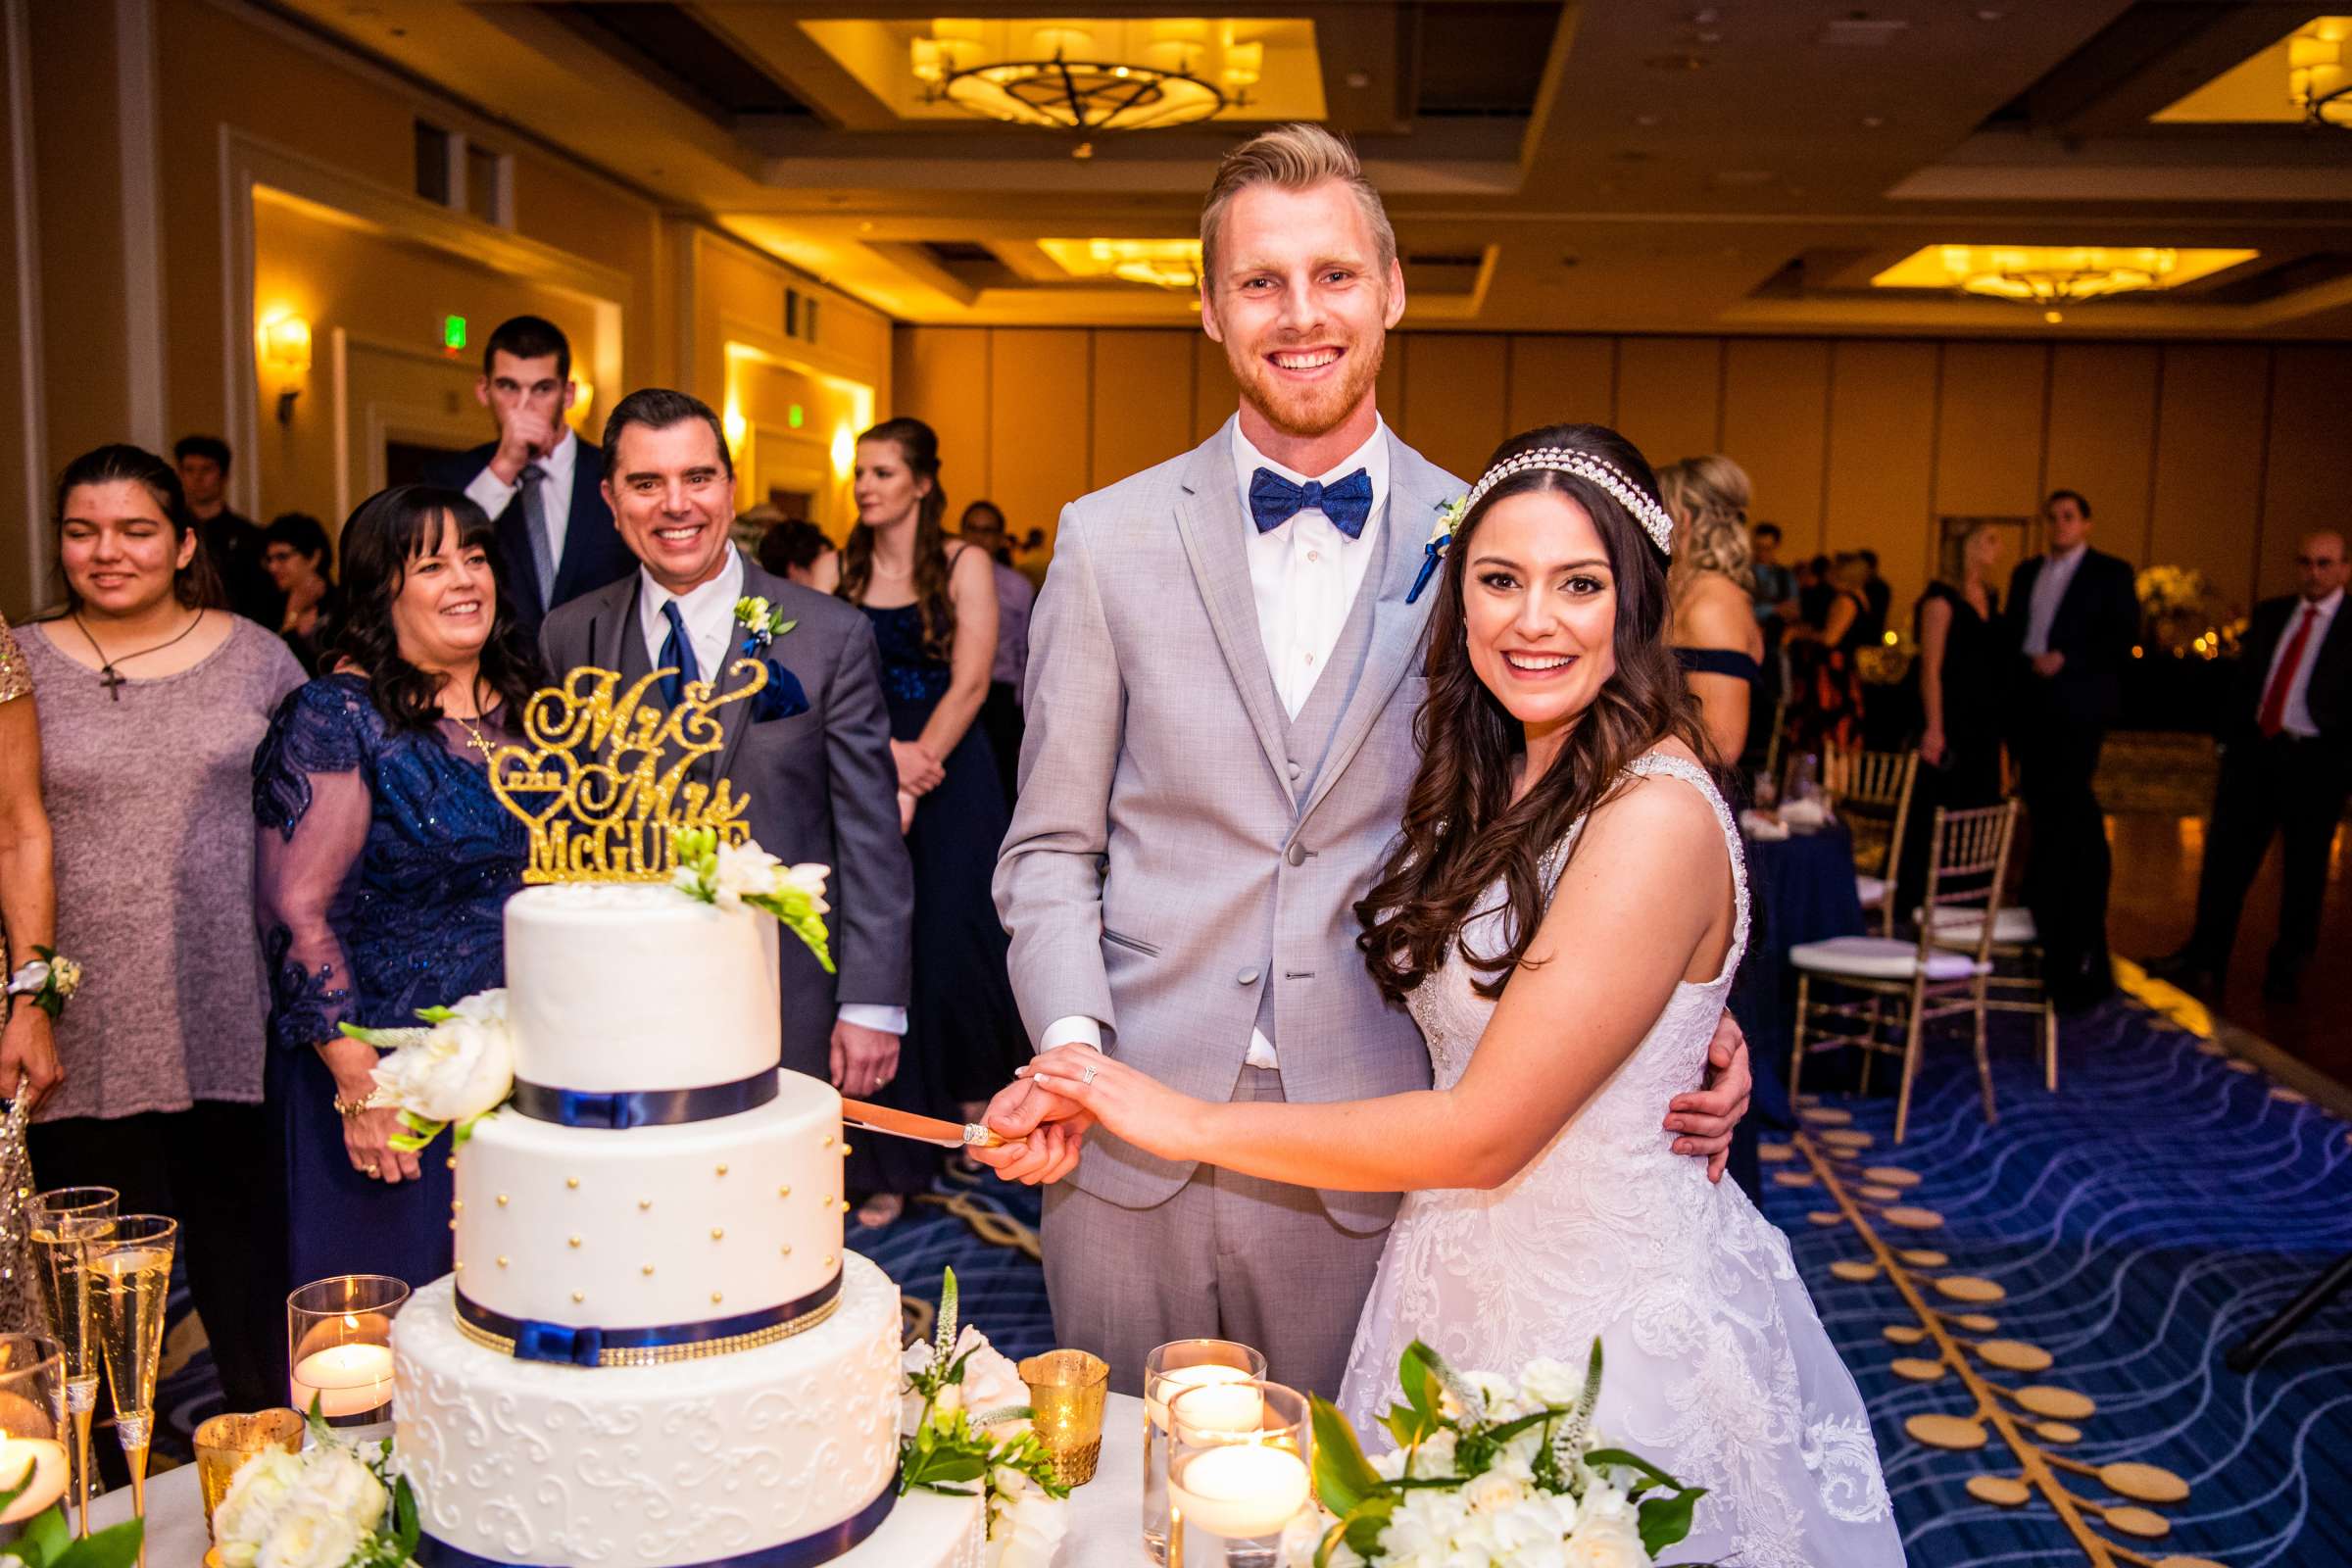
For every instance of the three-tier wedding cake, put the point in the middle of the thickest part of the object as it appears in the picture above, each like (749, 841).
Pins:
(654, 1351)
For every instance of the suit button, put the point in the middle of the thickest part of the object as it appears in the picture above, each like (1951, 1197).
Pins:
(1295, 855)
(1296, 769)
(1247, 977)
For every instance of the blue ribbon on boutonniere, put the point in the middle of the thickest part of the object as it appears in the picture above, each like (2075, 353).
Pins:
(783, 696)
(1433, 554)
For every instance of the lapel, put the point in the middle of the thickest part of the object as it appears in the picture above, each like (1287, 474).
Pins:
(1415, 491)
(736, 718)
(614, 640)
(1215, 529)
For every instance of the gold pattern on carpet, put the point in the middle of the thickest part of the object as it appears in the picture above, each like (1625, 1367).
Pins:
(1950, 1336)
(995, 1228)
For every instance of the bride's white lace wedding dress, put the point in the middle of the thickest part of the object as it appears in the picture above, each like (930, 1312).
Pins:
(1717, 1367)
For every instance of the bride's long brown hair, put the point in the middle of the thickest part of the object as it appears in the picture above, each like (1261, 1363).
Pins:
(1462, 831)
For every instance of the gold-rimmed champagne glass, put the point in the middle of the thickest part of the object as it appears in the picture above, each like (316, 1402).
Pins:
(131, 1278)
(34, 1457)
(64, 1220)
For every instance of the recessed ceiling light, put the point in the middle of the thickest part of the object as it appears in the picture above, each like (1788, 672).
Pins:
(1990, 14)
(1359, 78)
(1710, 37)
(1676, 62)
(1646, 120)
(1873, 122)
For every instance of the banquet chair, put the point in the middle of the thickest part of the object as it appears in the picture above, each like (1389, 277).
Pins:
(1923, 979)
(2015, 939)
(1871, 793)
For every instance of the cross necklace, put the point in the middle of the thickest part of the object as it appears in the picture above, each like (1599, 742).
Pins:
(114, 679)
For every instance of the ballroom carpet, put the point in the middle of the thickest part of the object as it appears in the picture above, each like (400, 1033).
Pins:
(2119, 1236)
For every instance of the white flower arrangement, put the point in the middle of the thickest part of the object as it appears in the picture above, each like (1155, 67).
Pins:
(964, 1421)
(330, 1506)
(1489, 1470)
(736, 876)
(764, 622)
(457, 1069)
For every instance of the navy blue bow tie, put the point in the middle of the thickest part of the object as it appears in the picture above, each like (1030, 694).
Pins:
(1275, 501)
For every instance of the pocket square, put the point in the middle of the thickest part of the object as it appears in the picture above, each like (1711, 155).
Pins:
(781, 698)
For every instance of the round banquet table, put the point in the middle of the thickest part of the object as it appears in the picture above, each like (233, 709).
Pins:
(1803, 887)
(1107, 1525)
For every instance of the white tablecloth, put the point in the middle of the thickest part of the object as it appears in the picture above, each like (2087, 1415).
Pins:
(1106, 1523)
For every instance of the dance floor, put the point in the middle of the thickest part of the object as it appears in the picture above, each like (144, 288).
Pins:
(2035, 1311)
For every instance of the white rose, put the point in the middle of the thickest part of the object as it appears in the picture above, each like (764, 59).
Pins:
(1526, 1536)
(303, 1539)
(1300, 1538)
(1389, 1466)
(462, 1067)
(1492, 1493)
(256, 1495)
(1434, 1460)
(1557, 1383)
(1604, 1500)
(1606, 1544)
(991, 1382)
(336, 1481)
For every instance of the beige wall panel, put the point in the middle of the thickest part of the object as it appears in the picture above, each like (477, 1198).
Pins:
(2103, 436)
(1215, 393)
(1668, 395)
(1881, 438)
(1561, 381)
(1776, 413)
(2303, 487)
(77, 146)
(24, 536)
(1389, 391)
(2209, 427)
(1037, 388)
(1456, 386)
(940, 375)
(1143, 402)
(1989, 431)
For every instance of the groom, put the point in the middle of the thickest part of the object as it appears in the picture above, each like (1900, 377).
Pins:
(811, 753)
(1222, 682)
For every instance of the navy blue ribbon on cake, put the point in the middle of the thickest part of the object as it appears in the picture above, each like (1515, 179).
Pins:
(538, 1340)
(619, 1109)
(836, 1541)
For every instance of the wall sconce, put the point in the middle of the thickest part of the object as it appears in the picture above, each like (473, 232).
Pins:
(845, 450)
(286, 349)
(584, 399)
(735, 425)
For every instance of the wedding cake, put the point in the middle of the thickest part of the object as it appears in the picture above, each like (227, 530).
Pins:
(654, 1351)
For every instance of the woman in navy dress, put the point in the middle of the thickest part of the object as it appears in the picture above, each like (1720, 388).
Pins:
(383, 868)
(933, 603)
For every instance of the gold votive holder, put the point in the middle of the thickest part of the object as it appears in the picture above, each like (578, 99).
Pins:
(1067, 1391)
(225, 1442)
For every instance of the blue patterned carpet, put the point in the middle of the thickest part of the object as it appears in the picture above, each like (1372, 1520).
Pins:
(2132, 1227)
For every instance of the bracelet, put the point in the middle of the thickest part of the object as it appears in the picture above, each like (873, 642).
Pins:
(49, 980)
(347, 1108)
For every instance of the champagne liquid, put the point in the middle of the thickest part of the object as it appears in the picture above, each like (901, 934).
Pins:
(128, 1288)
(64, 1285)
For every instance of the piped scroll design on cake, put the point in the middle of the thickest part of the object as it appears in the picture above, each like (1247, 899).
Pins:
(601, 776)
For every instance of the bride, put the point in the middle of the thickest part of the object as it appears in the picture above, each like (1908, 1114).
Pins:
(1563, 916)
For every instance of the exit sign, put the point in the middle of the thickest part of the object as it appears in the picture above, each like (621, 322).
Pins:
(453, 332)
(793, 416)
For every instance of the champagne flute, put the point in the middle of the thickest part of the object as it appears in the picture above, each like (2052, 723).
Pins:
(63, 1222)
(130, 1278)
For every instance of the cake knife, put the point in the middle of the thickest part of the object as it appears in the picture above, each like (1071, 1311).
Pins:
(923, 1129)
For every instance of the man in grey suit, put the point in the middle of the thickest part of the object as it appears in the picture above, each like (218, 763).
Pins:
(811, 753)
(1223, 676)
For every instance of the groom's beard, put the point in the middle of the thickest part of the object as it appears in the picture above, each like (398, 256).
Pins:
(1311, 411)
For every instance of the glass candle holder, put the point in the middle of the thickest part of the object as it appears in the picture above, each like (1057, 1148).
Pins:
(36, 1431)
(339, 1346)
(225, 1442)
(1066, 1390)
(1168, 1371)
(1236, 1477)
(63, 1221)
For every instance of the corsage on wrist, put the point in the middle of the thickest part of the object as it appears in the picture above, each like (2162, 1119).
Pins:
(49, 980)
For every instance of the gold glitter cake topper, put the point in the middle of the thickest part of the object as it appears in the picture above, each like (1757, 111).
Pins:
(600, 778)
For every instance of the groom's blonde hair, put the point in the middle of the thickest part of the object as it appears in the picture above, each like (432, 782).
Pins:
(1293, 156)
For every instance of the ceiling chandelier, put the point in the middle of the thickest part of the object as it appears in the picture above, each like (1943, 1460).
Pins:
(1170, 264)
(1088, 76)
(2053, 275)
(2319, 74)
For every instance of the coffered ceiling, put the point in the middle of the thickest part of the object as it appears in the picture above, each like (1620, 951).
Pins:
(1749, 166)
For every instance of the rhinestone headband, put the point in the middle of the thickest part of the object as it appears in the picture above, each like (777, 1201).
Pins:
(1653, 518)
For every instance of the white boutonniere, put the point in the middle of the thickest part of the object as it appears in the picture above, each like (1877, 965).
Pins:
(762, 622)
(1440, 534)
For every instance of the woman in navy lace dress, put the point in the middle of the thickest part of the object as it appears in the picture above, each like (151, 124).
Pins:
(383, 865)
(933, 603)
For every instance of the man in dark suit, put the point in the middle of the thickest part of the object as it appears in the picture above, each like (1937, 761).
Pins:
(2070, 617)
(811, 753)
(542, 485)
(232, 541)
(2286, 770)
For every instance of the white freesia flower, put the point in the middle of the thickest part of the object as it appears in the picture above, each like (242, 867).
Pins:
(1025, 1524)
(256, 1496)
(337, 1481)
(483, 1007)
(744, 870)
(462, 1067)
(808, 877)
(311, 1540)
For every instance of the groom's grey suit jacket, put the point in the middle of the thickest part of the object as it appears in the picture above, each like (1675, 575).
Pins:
(821, 786)
(1185, 858)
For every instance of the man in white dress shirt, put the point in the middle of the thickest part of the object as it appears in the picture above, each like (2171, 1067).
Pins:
(1224, 669)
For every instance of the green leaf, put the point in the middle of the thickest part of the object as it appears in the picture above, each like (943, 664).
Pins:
(1626, 1459)
(1343, 1477)
(1365, 1522)
(1419, 1382)
(1667, 1520)
(436, 1014)
(47, 1538)
(16, 1489)
(115, 1547)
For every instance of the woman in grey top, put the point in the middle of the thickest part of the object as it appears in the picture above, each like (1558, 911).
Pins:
(152, 703)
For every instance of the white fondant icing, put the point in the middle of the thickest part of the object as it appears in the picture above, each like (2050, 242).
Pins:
(655, 1467)
(642, 1226)
(926, 1530)
(630, 986)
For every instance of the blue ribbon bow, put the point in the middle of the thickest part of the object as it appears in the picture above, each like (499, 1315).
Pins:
(1275, 501)
(553, 1342)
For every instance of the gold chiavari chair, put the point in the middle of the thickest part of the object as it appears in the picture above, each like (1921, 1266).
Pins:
(1969, 859)
(2015, 939)
(1871, 793)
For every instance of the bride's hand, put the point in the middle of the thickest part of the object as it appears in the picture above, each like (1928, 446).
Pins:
(1133, 1105)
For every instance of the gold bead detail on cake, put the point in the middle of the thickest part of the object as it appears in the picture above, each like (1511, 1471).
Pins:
(717, 1233)
(828, 1143)
(828, 1262)
(501, 1260)
(453, 1162)
(572, 1181)
(722, 1170)
(459, 1266)
(573, 1242)
(845, 1148)
(784, 1192)
(647, 1270)
(645, 1204)
(845, 1206)
(715, 1298)
(452, 1224)
(502, 1200)
(787, 1248)
(580, 1295)
(457, 1205)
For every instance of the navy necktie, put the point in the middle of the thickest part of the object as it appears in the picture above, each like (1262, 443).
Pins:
(678, 656)
(1275, 501)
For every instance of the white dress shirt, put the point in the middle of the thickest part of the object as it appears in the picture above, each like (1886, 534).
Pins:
(709, 612)
(1305, 575)
(493, 494)
(2295, 717)
(2049, 588)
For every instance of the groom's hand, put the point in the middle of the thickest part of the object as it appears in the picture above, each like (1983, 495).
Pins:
(1704, 1118)
(1044, 1133)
